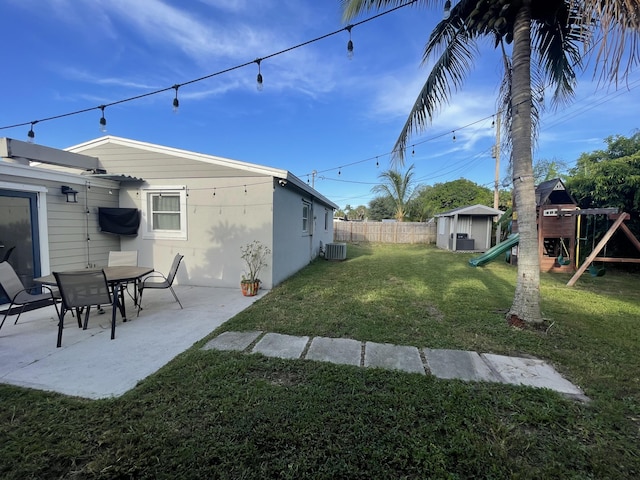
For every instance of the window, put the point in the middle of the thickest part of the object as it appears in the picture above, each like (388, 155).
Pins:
(306, 211)
(165, 214)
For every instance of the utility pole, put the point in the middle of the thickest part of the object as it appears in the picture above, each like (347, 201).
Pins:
(496, 154)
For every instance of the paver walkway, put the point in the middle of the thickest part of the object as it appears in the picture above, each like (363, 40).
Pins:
(446, 364)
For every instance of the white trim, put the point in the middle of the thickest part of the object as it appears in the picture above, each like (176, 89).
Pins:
(164, 234)
(307, 230)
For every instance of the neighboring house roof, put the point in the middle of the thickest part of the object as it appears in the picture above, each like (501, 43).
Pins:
(471, 210)
(227, 166)
(553, 192)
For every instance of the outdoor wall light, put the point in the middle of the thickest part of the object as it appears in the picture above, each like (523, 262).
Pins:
(72, 195)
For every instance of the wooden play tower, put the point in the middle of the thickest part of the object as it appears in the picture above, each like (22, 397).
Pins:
(556, 227)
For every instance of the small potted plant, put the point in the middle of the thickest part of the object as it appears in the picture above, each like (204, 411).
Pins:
(255, 255)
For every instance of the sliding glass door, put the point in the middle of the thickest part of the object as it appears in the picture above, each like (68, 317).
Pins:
(19, 240)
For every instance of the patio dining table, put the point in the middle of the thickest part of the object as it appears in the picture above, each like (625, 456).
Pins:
(116, 276)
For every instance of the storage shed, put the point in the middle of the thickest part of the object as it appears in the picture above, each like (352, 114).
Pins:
(466, 228)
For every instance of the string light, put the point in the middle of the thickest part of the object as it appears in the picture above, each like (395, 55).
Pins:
(377, 162)
(413, 150)
(31, 135)
(454, 135)
(176, 102)
(259, 85)
(103, 121)
(447, 10)
(349, 43)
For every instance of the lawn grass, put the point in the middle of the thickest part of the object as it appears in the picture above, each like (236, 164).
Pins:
(212, 414)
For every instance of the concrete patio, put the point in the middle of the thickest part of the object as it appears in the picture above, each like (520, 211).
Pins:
(89, 364)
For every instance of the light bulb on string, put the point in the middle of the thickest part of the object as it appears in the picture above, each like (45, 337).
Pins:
(259, 85)
(176, 102)
(447, 10)
(31, 135)
(377, 162)
(454, 135)
(103, 121)
(493, 122)
(339, 170)
(349, 43)
(413, 150)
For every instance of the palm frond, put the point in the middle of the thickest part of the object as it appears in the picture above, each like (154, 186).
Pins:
(447, 74)
(615, 26)
(353, 8)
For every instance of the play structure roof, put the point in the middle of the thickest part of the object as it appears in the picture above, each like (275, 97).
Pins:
(553, 192)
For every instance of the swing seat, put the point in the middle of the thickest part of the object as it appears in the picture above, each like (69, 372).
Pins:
(596, 271)
(562, 260)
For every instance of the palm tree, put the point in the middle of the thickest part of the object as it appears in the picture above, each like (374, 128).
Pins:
(399, 187)
(544, 39)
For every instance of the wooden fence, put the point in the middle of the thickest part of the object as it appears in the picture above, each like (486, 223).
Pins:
(384, 232)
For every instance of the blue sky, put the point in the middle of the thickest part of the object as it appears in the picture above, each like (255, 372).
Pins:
(318, 109)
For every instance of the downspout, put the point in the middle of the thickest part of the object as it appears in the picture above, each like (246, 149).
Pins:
(87, 187)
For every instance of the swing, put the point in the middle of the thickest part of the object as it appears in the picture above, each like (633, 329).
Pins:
(563, 260)
(594, 270)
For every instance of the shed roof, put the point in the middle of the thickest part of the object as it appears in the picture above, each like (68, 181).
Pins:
(475, 210)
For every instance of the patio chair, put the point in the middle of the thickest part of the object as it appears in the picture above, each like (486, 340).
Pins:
(20, 296)
(8, 254)
(81, 290)
(164, 282)
(125, 258)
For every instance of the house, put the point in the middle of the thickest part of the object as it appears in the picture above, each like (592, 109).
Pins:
(202, 206)
(466, 228)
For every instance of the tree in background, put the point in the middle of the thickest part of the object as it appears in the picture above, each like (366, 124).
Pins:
(610, 177)
(449, 195)
(544, 39)
(380, 208)
(544, 170)
(399, 187)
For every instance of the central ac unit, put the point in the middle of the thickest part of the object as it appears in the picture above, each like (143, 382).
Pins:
(336, 251)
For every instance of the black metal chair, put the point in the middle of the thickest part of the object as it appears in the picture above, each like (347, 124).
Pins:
(20, 296)
(8, 254)
(81, 290)
(164, 282)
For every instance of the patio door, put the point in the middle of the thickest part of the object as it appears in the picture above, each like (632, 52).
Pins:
(19, 239)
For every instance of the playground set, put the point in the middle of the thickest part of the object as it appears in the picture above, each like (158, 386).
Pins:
(559, 219)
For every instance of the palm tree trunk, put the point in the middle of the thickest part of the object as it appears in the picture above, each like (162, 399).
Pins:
(526, 301)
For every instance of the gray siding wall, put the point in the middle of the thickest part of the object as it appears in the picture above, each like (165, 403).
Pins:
(75, 240)
(73, 237)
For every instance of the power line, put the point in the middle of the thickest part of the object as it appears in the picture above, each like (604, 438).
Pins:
(206, 77)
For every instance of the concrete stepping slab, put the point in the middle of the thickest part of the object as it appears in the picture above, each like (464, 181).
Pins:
(281, 346)
(459, 364)
(237, 341)
(530, 372)
(343, 351)
(397, 357)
